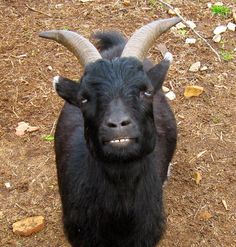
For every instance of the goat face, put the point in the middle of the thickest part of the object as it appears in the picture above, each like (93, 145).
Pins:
(115, 98)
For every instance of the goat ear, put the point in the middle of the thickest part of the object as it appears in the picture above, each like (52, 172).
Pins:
(157, 74)
(66, 89)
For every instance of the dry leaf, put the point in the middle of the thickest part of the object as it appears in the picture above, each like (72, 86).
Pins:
(197, 177)
(32, 129)
(29, 225)
(191, 91)
(205, 215)
(23, 127)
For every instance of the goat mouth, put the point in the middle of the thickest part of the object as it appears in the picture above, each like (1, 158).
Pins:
(120, 141)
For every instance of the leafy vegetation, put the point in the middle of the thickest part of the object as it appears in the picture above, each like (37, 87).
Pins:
(153, 3)
(221, 10)
(48, 138)
(227, 55)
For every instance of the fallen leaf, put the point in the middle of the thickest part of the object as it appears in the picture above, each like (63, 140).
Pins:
(205, 215)
(191, 91)
(21, 128)
(197, 177)
(32, 129)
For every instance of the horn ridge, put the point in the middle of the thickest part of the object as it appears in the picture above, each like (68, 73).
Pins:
(81, 47)
(142, 40)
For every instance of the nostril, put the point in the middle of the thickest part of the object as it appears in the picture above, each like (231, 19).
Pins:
(125, 122)
(111, 125)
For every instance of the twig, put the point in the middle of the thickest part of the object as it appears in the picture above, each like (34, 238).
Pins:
(185, 22)
(38, 11)
(53, 126)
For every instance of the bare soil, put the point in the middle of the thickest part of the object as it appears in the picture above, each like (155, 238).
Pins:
(196, 215)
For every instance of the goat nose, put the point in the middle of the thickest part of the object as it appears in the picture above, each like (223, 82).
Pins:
(118, 123)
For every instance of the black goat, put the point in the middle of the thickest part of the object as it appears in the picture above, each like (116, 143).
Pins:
(114, 140)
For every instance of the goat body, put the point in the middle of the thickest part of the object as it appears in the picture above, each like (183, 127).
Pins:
(114, 140)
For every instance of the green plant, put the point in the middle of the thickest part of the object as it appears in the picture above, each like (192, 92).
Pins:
(221, 10)
(153, 3)
(227, 55)
(182, 31)
(48, 138)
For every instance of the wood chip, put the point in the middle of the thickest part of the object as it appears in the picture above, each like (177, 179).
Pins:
(28, 226)
(205, 215)
(197, 177)
(225, 205)
(126, 3)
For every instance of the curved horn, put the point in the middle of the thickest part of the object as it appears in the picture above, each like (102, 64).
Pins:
(141, 41)
(77, 44)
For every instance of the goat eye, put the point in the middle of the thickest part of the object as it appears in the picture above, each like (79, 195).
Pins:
(147, 94)
(84, 101)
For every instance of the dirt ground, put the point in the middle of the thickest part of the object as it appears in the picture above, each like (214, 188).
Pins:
(196, 215)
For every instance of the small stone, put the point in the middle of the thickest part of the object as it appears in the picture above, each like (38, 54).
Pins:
(170, 95)
(218, 4)
(205, 215)
(209, 5)
(204, 68)
(49, 68)
(180, 25)
(1, 215)
(165, 89)
(190, 41)
(191, 91)
(231, 26)
(195, 67)
(7, 185)
(28, 226)
(191, 24)
(220, 29)
(217, 38)
(59, 5)
(171, 12)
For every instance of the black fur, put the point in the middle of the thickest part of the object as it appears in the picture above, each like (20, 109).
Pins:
(112, 196)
